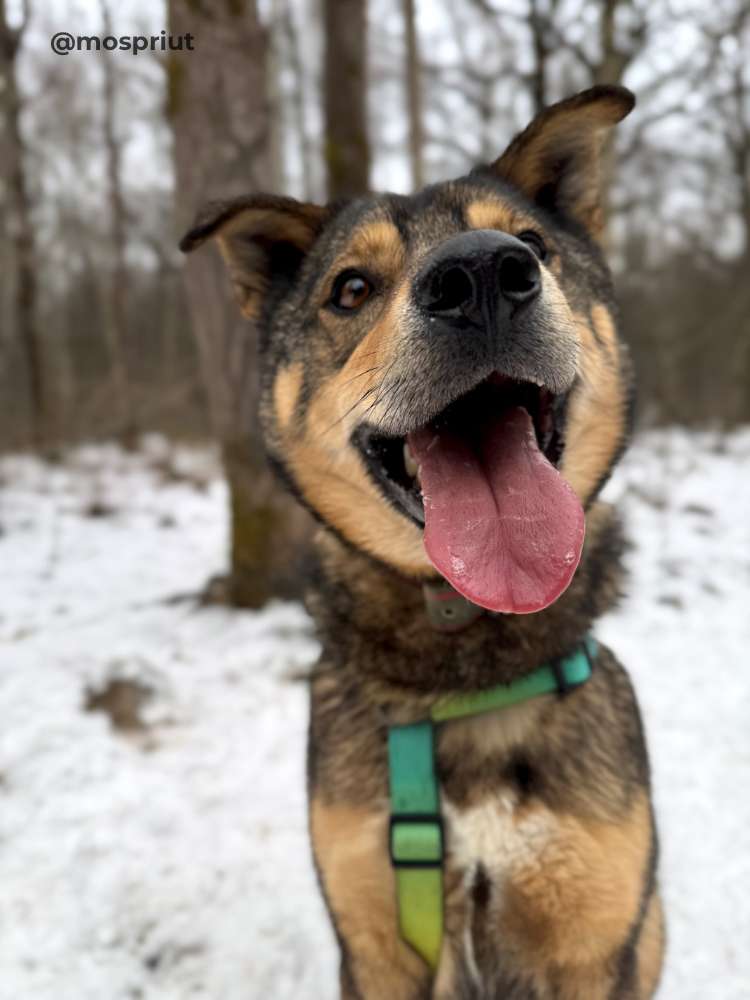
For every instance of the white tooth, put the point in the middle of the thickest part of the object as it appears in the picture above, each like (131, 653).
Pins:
(410, 462)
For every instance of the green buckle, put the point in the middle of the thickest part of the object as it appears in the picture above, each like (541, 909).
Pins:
(416, 840)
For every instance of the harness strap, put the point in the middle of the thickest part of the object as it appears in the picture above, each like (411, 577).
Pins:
(416, 837)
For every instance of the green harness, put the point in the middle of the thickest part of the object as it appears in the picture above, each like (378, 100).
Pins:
(416, 836)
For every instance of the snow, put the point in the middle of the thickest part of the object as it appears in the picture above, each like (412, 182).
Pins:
(171, 861)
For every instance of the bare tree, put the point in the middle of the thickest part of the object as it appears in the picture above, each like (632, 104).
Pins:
(347, 148)
(730, 111)
(276, 104)
(16, 210)
(540, 29)
(218, 106)
(731, 106)
(298, 98)
(605, 61)
(413, 94)
(118, 290)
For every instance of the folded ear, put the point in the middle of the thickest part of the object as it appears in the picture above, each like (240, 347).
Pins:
(263, 238)
(557, 160)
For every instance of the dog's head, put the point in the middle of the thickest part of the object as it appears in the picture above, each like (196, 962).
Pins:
(442, 380)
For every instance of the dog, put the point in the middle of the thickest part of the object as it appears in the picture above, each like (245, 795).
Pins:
(444, 388)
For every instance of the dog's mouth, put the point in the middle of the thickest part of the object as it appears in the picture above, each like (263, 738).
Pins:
(500, 522)
(392, 464)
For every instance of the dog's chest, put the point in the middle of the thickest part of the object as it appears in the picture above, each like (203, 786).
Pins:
(497, 834)
(491, 847)
(490, 820)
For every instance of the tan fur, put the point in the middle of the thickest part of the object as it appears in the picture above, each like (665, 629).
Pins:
(651, 949)
(492, 213)
(234, 239)
(372, 356)
(378, 245)
(597, 410)
(361, 890)
(286, 390)
(259, 221)
(336, 484)
(559, 903)
(570, 905)
(328, 469)
(445, 976)
(573, 129)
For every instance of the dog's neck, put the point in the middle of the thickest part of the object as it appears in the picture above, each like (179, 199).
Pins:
(373, 621)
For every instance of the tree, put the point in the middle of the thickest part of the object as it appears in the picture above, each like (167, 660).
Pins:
(218, 106)
(730, 110)
(16, 210)
(300, 86)
(347, 148)
(413, 94)
(606, 61)
(117, 297)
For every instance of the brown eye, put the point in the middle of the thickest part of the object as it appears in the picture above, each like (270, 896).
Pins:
(534, 242)
(350, 291)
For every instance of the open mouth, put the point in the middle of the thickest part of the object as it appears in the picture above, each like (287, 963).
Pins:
(500, 522)
(394, 468)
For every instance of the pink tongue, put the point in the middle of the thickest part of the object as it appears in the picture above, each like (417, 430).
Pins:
(501, 524)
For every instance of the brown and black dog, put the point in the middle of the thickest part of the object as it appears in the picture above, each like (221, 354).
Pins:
(444, 388)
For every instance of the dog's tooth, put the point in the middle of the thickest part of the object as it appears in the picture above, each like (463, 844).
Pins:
(410, 462)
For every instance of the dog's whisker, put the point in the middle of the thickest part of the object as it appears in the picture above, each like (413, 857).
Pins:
(373, 389)
(381, 396)
(351, 409)
(391, 396)
(368, 371)
(384, 380)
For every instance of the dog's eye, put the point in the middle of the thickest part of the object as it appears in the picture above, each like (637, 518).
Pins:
(350, 291)
(534, 242)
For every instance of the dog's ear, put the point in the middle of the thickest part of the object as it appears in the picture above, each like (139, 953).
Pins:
(263, 239)
(556, 161)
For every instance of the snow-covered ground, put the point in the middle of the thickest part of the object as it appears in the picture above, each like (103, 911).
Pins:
(169, 860)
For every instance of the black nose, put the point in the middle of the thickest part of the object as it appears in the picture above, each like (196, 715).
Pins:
(469, 276)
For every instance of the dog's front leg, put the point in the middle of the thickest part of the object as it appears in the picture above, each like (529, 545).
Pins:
(359, 886)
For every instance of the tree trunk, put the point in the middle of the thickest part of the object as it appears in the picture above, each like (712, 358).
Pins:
(217, 103)
(610, 68)
(738, 140)
(299, 113)
(414, 96)
(613, 61)
(538, 80)
(117, 297)
(276, 103)
(347, 149)
(16, 211)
